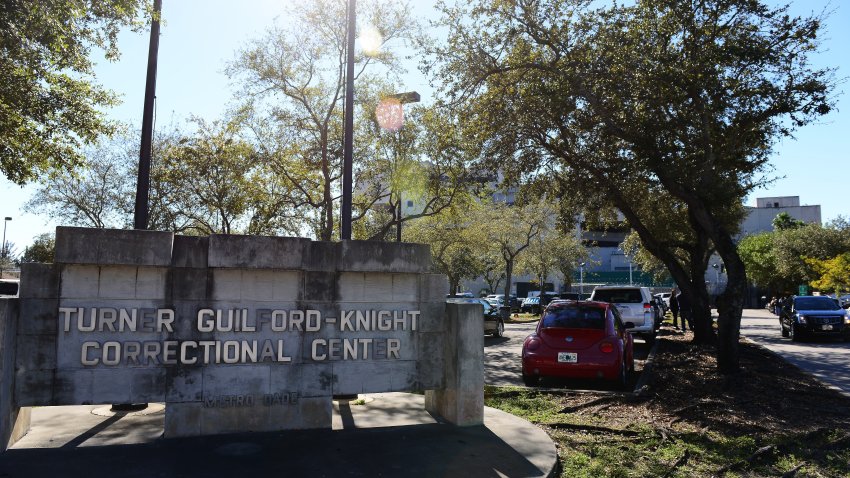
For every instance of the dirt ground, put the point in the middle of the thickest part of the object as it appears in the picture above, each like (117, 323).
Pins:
(770, 419)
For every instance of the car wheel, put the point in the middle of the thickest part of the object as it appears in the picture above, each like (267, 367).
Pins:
(623, 379)
(500, 329)
(783, 330)
(530, 380)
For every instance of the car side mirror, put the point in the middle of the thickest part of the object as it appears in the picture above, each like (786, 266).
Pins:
(629, 325)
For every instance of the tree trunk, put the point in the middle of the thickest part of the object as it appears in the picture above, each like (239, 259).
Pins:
(509, 270)
(454, 284)
(701, 312)
(730, 307)
(732, 299)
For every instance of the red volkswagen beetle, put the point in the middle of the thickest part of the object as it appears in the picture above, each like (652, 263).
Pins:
(578, 339)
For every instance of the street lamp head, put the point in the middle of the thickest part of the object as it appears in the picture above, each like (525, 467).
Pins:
(581, 264)
(7, 218)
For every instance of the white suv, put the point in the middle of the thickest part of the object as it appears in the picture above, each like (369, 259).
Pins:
(634, 304)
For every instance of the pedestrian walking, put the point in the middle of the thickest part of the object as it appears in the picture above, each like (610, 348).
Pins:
(674, 307)
(685, 311)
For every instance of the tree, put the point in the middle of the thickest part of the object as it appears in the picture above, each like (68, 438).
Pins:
(455, 249)
(785, 258)
(759, 256)
(510, 230)
(99, 194)
(421, 162)
(813, 241)
(552, 251)
(212, 178)
(51, 104)
(684, 98)
(42, 249)
(292, 82)
(784, 221)
(833, 274)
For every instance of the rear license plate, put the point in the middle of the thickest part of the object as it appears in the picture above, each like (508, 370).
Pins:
(826, 327)
(567, 357)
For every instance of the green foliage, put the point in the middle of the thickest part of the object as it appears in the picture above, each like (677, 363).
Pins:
(42, 249)
(629, 101)
(757, 252)
(552, 251)
(51, 105)
(832, 274)
(292, 88)
(456, 248)
(212, 177)
(783, 259)
(783, 221)
(99, 194)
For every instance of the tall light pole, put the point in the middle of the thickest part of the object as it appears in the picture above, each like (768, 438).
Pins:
(630, 271)
(581, 280)
(390, 114)
(143, 183)
(4, 250)
(348, 126)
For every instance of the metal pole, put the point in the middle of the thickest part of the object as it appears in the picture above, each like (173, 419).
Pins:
(630, 273)
(3, 250)
(581, 281)
(398, 226)
(348, 143)
(143, 183)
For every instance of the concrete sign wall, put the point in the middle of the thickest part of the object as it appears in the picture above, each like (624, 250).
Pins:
(241, 333)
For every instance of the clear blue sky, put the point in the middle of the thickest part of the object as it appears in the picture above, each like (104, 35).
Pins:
(200, 36)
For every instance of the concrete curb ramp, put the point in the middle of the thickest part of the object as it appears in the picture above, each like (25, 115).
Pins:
(390, 435)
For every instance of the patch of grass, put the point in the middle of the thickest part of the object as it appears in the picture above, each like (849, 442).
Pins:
(523, 318)
(697, 423)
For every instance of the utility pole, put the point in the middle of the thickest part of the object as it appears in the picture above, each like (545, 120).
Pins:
(348, 126)
(143, 183)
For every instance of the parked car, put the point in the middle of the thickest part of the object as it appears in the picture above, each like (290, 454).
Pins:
(496, 300)
(493, 323)
(531, 305)
(810, 316)
(634, 305)
(578, 339)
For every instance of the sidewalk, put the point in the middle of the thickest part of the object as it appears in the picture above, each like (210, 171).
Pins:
(390, 435)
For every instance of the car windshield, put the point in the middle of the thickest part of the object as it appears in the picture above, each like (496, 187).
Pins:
(618, 296)
(815, 303)
(575, 318)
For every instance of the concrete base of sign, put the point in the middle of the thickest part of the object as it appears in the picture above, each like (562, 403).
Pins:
(14, 420)
(390, 435)
(461, 400)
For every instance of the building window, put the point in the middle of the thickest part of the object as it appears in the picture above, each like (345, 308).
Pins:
(409, 203)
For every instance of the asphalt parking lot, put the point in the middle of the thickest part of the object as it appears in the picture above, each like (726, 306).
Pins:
(502, 365)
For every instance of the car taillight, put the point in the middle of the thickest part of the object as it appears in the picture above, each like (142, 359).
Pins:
(646, 306)
(532, 344)
(606, 347)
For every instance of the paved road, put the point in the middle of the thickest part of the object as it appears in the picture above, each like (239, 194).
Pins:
(828, 360)
(502, 359)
